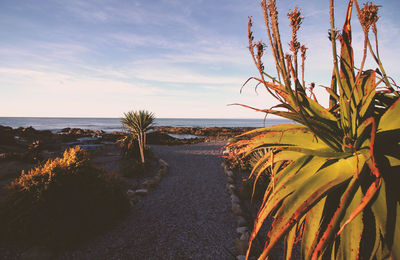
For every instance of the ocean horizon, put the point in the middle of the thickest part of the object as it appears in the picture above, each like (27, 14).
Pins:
(55, 124)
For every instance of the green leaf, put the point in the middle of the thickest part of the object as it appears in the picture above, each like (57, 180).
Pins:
(379, 208)
(289, 242)
(302, 191)
(351, 236)
(312, 225)
(395, 252)
(390, 121)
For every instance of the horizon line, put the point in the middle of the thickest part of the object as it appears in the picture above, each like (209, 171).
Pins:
(92, 117)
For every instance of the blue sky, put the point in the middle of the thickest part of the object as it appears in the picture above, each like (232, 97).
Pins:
(177, 58)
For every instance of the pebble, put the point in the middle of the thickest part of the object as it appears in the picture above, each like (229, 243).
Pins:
(231, 189)
(141, 192)
(241, 230)
(163, 162)
(235, 199)
(245, 236)
(237, 210)
(130, 192)
(229, 173)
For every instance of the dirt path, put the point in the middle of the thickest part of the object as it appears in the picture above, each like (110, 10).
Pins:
(186, 217)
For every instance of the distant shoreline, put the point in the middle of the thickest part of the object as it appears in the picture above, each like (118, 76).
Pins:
(110, 125)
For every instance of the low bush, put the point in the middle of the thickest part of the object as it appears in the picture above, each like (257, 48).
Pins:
(62, 203)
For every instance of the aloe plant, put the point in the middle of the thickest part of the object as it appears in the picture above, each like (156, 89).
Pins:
(137, 123)
(334, 174)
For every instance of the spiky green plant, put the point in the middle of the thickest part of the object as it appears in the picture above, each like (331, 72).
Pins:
(137, 123)
(334, 175)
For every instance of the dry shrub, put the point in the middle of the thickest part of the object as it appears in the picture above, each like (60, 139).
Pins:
(62, 203)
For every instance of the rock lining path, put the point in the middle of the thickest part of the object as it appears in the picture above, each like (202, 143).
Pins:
(187, 216)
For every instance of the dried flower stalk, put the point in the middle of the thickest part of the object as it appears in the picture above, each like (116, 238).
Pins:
(295, 21)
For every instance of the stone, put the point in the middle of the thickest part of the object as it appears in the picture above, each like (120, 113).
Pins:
(130, 193)
(141, 192)
(163, 162)
(241, 257)
(241, 246)
(241, 221)
(245, 236)
(133, 200)
(231, 188)
(146, 184)
(230, 180)
(37, 253)
(241, 230)
(229, 173)
(163, 171)
(235, 199)
(152, 183)
(236, 209)
(157, 179)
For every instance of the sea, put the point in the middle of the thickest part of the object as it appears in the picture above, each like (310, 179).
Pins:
(109, 125)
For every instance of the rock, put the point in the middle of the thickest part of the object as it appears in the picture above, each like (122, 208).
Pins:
(133, 200)
(241, 222)
(235, 199)
(241, 257)
(245, 236)
(241, 246)
(149, 184)
(163, 162)
(229, 173)
(130, 193)
(37, 253)
(230, 180)
(141, 192)
(241, 230)
(163, 171)
(237, 210)
(159, 175)
(231, 188)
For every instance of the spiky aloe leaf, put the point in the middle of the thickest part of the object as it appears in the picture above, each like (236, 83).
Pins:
(332, 176)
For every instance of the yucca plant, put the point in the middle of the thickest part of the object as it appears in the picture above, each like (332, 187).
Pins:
(137, 123)
(334, 175)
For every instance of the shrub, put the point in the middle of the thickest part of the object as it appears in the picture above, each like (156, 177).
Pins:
(137, 123)
(334, 175)
(63, 202)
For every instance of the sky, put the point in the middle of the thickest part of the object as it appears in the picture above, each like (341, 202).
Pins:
(176, 58)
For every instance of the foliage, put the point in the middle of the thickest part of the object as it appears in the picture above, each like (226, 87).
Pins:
(130, 163)
(129, 147)
(137, 123)
(334, 174)
(62, 202)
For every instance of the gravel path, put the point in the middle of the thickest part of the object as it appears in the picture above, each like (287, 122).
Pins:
(186, 217)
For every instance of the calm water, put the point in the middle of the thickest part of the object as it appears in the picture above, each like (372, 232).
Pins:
(114, 124)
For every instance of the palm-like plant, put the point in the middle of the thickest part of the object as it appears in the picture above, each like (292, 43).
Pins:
(334, 175)
(137, 123)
